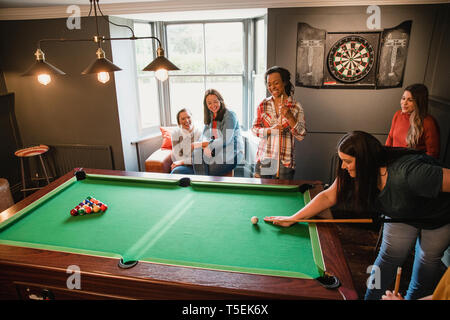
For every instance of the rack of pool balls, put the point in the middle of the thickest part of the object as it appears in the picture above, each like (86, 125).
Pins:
(88, 206)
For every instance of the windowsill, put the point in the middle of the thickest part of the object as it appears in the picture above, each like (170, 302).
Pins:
(245, 134)
(147, 137)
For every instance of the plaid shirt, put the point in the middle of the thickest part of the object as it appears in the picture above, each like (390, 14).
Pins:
(269, 144)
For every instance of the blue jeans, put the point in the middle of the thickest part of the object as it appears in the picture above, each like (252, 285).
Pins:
(284, 174)
(183, 170)
(211, 169)
(398, 240)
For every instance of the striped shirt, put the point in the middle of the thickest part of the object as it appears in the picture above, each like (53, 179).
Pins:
(266, 117)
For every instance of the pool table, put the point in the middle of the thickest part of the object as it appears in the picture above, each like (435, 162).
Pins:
(168, 237)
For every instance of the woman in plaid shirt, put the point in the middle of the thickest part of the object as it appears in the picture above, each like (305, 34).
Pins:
(278, 113)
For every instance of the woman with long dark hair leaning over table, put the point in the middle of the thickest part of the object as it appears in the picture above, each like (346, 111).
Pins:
(402, 184)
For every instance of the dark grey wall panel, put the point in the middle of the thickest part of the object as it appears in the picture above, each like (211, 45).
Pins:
(314, 155)
(72, 109)
(329, 113)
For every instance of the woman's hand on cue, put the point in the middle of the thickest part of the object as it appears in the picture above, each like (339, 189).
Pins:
(280, 220)
(390, 296)
(285, 111)
(277, 128)
(208, 152)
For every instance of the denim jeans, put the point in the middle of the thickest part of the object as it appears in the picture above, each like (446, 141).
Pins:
(183, 170)
(213, 169)
(398, 240)
(285, 173)
(201, 167)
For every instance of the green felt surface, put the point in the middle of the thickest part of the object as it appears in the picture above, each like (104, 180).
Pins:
(206, 225)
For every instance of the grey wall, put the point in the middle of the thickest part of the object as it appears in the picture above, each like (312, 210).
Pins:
(438, 65)
(76, 109)
(72, 109)
(330, 113)
(2, 83)
(437, 79)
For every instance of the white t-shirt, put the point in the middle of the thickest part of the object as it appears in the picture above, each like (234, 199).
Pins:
(181, 144)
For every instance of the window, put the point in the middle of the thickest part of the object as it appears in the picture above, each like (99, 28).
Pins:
(147, 83)
(259, 83)
(229, 56)
(210, 55)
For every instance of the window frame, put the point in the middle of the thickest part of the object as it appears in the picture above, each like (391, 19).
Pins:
(159, 29)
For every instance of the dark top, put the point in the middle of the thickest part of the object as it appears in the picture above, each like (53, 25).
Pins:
(413, 191)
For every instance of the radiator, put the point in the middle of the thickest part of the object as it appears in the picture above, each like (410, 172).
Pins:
(63, 158)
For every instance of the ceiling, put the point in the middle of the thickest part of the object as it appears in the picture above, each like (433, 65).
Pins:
(47, 9)
(277, 3)
(51, 3)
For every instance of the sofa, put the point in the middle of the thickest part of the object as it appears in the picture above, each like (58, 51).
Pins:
(161, 159)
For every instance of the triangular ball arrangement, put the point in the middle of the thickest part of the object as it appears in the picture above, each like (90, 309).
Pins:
(88, 206)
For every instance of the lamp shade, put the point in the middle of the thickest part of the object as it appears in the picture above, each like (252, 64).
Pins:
(42, 67)
(101, 65)
(160, 63)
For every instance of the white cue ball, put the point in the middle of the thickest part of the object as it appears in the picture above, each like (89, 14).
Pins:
(254, 220)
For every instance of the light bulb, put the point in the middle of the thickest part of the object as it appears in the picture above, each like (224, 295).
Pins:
(44, 78)
(161, 74)
(103, 77)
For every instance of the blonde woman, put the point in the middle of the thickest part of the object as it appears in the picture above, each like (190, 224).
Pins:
(412, 126)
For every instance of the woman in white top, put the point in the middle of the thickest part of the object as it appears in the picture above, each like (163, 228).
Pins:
(183, 139)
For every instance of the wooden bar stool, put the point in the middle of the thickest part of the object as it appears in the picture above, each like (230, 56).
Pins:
(32, 152)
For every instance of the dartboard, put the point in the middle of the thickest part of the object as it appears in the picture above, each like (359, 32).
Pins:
(351, 58)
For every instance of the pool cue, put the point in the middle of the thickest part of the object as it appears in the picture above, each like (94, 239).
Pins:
(279, 140)
(364, 220)
(331, 220)
(349, 220)
(397, 280)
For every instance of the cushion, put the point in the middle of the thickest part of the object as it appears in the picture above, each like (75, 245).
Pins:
(167, 137)
(159, 161)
